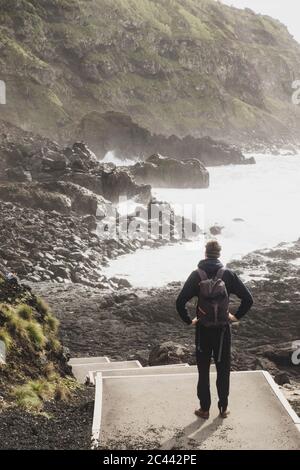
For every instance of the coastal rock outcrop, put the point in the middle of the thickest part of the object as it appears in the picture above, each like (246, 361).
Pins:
(70, 176)
(60, 217)
(117, 132)
(159, 171)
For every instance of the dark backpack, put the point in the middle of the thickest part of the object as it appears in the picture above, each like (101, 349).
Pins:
(213, 300)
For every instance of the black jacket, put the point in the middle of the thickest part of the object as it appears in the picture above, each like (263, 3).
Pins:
(233, 285)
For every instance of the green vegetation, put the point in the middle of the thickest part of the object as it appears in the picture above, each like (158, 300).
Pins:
(35, 370)
(36, 335)
(42, 306)
(19, 323)
(32, 395)
(52, 322)
(24, 311)
(6, 338)
(175, 66)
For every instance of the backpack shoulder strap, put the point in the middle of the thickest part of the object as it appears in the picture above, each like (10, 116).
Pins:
(220, 273)
(202, 274)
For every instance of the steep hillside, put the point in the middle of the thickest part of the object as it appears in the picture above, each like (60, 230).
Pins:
(41, 405)
(174, 66)
(36, 369)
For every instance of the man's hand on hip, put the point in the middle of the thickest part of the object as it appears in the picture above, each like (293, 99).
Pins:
(232, 318)
(194, 321)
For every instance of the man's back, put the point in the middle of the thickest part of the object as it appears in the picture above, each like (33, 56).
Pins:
(213, 340)
(233, 283)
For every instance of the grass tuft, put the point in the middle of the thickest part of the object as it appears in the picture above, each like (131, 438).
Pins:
(24, 311)
(6, 338)
(52, 322)
(54, 344)
(42, 306)
(36, 334)
(32, 395)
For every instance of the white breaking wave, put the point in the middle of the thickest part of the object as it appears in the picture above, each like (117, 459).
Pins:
(111, 158)
(264, 198)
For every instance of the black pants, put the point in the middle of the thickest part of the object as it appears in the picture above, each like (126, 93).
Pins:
(208, 341)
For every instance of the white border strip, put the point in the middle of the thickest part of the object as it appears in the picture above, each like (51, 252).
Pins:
(82, 361)
(93, 373)
(2, 353)
(97, 417)
(76, 367)
(282, 399)
(173, 375)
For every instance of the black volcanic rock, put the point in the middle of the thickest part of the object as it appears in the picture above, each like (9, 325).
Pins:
(167, 172)
(71, 177)
(169, 353)
(117, 132)
(216, 229)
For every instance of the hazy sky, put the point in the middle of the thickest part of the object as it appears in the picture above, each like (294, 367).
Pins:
(287, 11)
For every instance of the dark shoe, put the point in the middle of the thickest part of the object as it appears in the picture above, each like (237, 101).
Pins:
(224, 412)
(202, 414)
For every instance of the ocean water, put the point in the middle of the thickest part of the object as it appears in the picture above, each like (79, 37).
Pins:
(264, 197)
(111, 158)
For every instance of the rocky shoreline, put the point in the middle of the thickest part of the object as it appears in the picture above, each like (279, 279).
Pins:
(53, 200)
(143, 324)
(129, 324)
(117, 132)
(59, 212)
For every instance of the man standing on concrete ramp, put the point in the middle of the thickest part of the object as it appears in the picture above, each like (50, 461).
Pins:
(212, 283)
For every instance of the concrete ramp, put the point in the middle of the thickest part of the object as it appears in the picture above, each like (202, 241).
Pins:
(156, 412)
(81, 371)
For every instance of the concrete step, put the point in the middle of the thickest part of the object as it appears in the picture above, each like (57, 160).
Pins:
(158, 412)
(154, 370)
(88, 360)
(81, 371)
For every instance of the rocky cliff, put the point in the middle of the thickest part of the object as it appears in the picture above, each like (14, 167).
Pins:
(59, 216)
(117, 132)
(175, 66)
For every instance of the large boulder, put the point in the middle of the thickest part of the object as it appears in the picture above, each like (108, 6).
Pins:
(169, 353)
(118, 182)
(168, 172)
